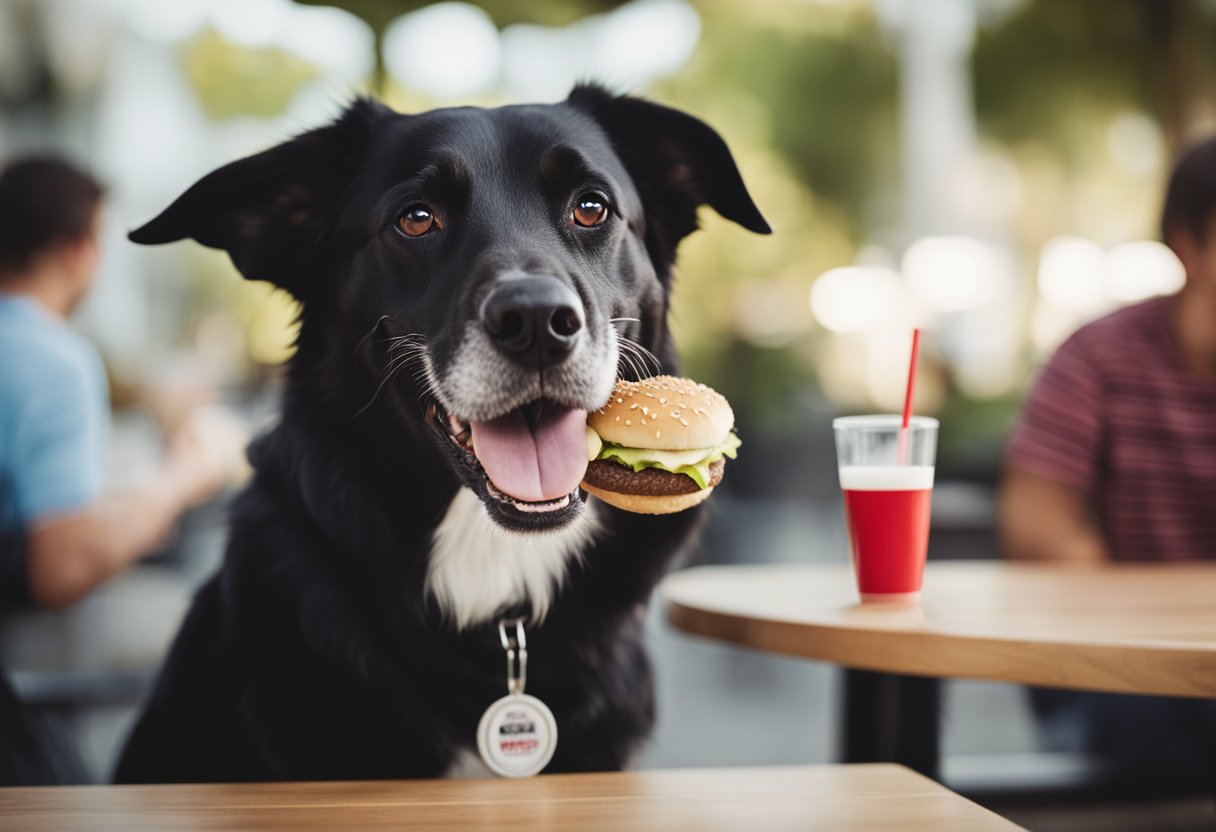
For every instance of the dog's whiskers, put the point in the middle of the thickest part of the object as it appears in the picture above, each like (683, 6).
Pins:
(371, 331)
(636, 357)
(403, 341)
(408, 348)
(633, 374)
(430, 386)
(633, 364)
(625, 358)
(644, 353)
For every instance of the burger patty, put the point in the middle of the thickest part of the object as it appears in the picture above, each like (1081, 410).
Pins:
(610, 475)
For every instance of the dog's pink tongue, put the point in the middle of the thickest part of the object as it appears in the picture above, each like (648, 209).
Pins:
(544, 460)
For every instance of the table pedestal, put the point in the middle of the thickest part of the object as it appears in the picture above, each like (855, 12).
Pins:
(890, 717)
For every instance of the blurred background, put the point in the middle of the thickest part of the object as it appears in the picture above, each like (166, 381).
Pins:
(989, 170)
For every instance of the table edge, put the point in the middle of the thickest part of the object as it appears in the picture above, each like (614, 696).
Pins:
(1055, 664)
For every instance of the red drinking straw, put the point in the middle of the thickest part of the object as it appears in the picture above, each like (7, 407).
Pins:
(907, 417)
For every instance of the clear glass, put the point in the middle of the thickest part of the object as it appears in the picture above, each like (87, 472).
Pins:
(874, 440)
(886, 476)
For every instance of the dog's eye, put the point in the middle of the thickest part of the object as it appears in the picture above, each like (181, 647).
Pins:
(416, 221)
(591, 209)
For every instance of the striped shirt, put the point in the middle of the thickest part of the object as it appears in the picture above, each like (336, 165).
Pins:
(1116, 414)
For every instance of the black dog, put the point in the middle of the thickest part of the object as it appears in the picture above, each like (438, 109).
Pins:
(467, 277)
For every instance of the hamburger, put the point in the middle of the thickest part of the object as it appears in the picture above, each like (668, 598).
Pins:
(659, 445)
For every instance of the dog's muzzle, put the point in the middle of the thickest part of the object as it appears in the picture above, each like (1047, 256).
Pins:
(513, 399)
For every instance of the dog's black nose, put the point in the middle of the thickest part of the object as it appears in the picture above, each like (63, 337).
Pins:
(536, 320)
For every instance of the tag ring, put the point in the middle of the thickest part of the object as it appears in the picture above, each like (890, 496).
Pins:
(516, 645)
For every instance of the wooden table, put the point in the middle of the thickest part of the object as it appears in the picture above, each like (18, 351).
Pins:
(1128, 629)
(1131, 629)
(836, 798)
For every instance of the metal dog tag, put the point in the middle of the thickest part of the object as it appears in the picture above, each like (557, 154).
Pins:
(517, 735)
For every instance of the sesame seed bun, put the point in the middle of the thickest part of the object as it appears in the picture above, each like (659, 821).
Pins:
(639, 504)
(663, 413)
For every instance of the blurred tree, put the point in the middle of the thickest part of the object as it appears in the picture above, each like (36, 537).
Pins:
(380, 13)
(823, 83)
(806, 96)
(1183, 34)
(1053, 62)
(234, 80)
(806, 100)
(25, 73)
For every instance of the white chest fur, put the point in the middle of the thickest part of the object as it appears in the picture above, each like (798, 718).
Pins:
(468, 766)
(477, 567)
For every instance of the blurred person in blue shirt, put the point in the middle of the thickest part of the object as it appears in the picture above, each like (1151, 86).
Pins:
(61, 532)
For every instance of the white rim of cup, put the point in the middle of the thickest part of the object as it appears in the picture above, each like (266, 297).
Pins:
(883, 421)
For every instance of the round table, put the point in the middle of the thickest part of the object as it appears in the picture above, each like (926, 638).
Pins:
(1148, 629)
(1128, 629)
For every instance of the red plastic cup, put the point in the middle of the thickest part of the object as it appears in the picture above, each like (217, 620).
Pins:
(887, 504)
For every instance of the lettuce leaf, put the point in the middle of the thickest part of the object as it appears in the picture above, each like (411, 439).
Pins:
(694, 464)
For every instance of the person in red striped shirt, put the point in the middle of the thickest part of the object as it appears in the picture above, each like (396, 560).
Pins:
(1114, 459)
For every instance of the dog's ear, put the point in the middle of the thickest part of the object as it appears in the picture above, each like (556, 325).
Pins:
(269, 211)
(678, 163)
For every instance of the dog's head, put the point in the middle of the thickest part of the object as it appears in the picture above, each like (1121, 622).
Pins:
(482, 274)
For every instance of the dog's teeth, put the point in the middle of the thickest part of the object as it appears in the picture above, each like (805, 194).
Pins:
(523, 505)
(537, 508)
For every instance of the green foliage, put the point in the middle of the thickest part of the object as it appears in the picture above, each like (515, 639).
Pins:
(233, 81)
(806, 95)
(1050, 58)
(826, 91)
(807, 104)
(765, 385)
(973, 431)
(379, 13)
(1056, 61)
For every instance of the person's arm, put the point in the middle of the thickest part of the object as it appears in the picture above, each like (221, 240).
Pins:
(70, 553)
(1054, 456)
(1044, 519)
